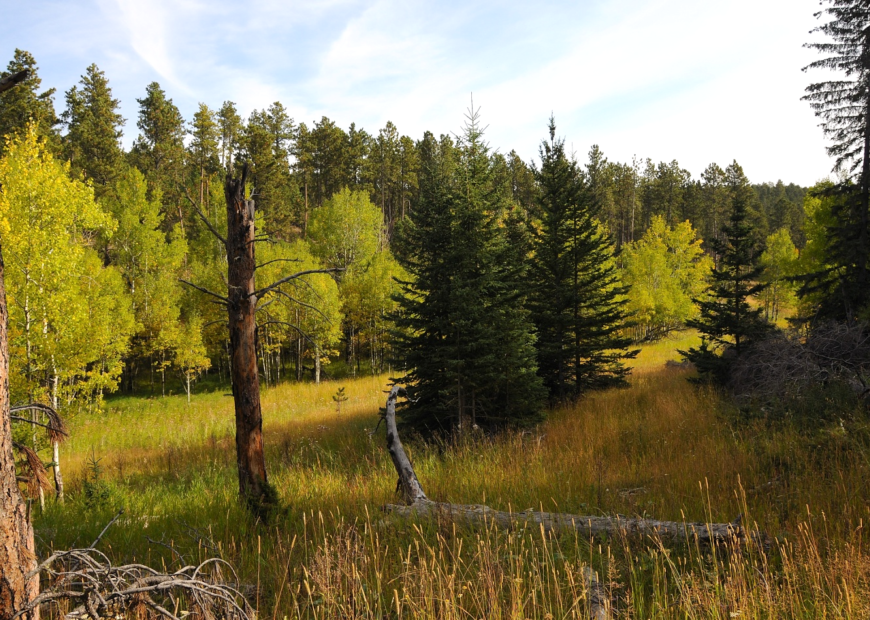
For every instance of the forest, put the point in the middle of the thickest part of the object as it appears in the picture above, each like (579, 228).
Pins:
(610, 389)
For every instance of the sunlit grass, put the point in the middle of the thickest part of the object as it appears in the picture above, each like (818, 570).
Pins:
(661, 447)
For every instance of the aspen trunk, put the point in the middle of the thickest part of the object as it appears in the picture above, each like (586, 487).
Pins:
(55, 448)
(317, 365)
(243, 340)
(17, 549)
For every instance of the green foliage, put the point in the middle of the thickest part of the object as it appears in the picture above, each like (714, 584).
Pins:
(96, 491)
(159, 150)
(92, 143)
(780, 263)
(24, 104)
(665, 272)
(728, 323)
(149, 263)
(464, 336)
(575, 293)
(69, 317)
(346, 231)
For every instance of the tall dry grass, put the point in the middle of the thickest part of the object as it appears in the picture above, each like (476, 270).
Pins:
(661, 447)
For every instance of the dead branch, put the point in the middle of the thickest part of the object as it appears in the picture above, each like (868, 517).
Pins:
(600, 605)
(303, 304)
(222, 299)
(786, 365)
(87, 579)
(56, 427)
(417, 505)
(38, 474)
(279, 260)
(11, 80)
(268, 289)
(208, 224)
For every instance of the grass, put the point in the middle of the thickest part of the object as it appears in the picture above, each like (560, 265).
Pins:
(661, 447)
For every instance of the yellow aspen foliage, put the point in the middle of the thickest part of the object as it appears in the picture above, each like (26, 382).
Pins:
(69, 315)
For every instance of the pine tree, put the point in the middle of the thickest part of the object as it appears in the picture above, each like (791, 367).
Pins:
(844, 108)
(92, 143)
(728, 323)
(464, 337)
(230, 128)
(575, 300)
(24, 104)
(159, 150)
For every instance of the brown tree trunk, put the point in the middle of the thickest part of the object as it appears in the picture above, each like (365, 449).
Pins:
(17, 549)
(243, 341)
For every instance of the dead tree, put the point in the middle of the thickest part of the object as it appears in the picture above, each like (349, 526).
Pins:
(241, 302)
(418, 505)
(17, 549)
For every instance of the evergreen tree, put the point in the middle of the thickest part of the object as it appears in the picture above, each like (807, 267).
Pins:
(159, 150)
(728, 323)
(267, 142)
(843, 105)
(575, 300)
(24, 104)
(93, 140)
(464, 336)
(230, 128)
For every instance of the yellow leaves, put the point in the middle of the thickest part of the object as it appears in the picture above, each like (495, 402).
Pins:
(67, 312)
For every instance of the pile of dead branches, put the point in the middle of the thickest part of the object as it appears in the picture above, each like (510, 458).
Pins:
(786, 366)
(83, 583)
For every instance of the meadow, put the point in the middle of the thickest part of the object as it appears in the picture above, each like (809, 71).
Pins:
(661, 447)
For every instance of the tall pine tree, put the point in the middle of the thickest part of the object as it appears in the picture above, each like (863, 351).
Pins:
(93, 140)
(465, 339)
(728, 323)
(575, 300)
(844, 106)
(24, 104)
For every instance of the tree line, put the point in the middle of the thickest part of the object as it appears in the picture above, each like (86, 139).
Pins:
(563, 264)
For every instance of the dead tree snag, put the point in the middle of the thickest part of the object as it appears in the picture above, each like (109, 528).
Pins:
(242, 310)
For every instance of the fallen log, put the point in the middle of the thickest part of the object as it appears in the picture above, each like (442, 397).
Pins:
(418, 505)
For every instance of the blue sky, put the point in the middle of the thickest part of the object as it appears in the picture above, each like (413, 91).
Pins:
(693, 80)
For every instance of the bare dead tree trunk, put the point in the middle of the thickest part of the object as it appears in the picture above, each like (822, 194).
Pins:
(242, 305)
(17, 549)
(418, 505)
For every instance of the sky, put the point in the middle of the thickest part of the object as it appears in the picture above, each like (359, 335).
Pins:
(696, 81)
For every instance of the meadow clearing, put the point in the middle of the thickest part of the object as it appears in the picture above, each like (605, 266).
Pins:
(662, 447)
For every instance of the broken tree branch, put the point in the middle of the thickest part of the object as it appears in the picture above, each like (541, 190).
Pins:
(222, 299)
(417, 505)
(56, 427)
(11, 80)
(268, 289)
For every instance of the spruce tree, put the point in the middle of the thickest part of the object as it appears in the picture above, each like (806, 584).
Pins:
(24, 104)
(464, 336)
(92, 143)
(843, 105)
(159, 150)
(575, 300)
(728, 323)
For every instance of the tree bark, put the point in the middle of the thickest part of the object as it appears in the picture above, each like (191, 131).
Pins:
(17, 549)
(417, 505)
(243, 340)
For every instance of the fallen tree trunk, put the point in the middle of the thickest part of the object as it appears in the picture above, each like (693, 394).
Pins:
(418, 505)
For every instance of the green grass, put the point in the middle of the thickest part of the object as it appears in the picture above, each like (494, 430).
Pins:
(661, 447)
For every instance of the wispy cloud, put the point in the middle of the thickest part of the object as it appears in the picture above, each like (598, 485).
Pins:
(695, 81)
